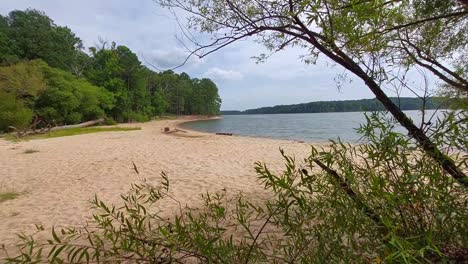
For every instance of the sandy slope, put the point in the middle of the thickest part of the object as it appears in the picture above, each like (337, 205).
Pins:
(58, 181)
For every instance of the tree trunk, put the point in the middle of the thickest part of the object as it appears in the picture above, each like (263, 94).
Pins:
(85, 124)
(427, 145)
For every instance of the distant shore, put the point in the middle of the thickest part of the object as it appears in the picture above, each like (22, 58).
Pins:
(56, 177)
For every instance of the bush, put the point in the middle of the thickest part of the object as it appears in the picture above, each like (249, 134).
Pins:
(13, 113)
(381, 201)
(25, 80)
(108, 121)
(136, 117)
(70, 100)
(56, 96)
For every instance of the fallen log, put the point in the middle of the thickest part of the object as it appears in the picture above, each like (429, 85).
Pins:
(33, 130)
(85, 124)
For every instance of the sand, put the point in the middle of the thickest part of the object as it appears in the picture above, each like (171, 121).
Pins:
(57, 182)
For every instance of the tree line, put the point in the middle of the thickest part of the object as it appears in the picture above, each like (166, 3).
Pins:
(46, 74)
(363, 105)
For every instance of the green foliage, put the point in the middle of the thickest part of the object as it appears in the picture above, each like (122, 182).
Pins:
(136, 117)
(7, 54)
(33, 35)
(70, 100)
(381, 201)
(45, 63)
(159, 103)
(25, 80)
(205, 98)
(109, 122)
(141, 93)
(13, 113)
(185, 95)
(55, 96)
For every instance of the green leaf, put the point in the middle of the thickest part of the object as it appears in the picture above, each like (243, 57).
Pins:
(54, 235)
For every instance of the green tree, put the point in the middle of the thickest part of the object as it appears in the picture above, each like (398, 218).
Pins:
(31, 45)
(206, 100)
(135, 76)
(159, 101)
(168, 86)
(118, 70)
(7, 54)
(24, 80)
(69, 100)
(33, 35)
(185, 95)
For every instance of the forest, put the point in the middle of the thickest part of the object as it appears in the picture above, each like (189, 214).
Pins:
(404, 103)
(47, 74)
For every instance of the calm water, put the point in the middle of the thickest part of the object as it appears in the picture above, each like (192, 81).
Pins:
(306, 127)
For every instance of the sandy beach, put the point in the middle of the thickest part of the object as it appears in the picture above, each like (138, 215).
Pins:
(57, 182)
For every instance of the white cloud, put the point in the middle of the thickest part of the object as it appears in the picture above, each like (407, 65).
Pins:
(220, 74)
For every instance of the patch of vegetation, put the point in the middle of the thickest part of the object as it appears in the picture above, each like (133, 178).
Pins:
(30, 151)
(71, 132)
(9, 195)
(166, 117)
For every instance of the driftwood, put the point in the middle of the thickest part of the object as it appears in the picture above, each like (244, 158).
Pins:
(46, 128)
(168, 131)
(85, 124)
(224, 134)
(32, 128)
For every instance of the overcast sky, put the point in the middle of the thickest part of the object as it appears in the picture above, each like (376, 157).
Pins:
(150, 32)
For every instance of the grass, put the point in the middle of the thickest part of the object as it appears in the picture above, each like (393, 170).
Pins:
(71, 132)
(6, 196)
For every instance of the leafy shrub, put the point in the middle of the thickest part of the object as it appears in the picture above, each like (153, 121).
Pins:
(136, 117)
(25, 80)
(13, 113)
(70, 100)
(108, 121)
(56, 96)
(381, 201)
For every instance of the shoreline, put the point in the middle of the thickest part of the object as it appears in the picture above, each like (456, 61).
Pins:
(190, 119)
(56, 180)
(184, 121)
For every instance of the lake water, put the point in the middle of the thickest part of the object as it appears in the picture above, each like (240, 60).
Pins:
(311, 127)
